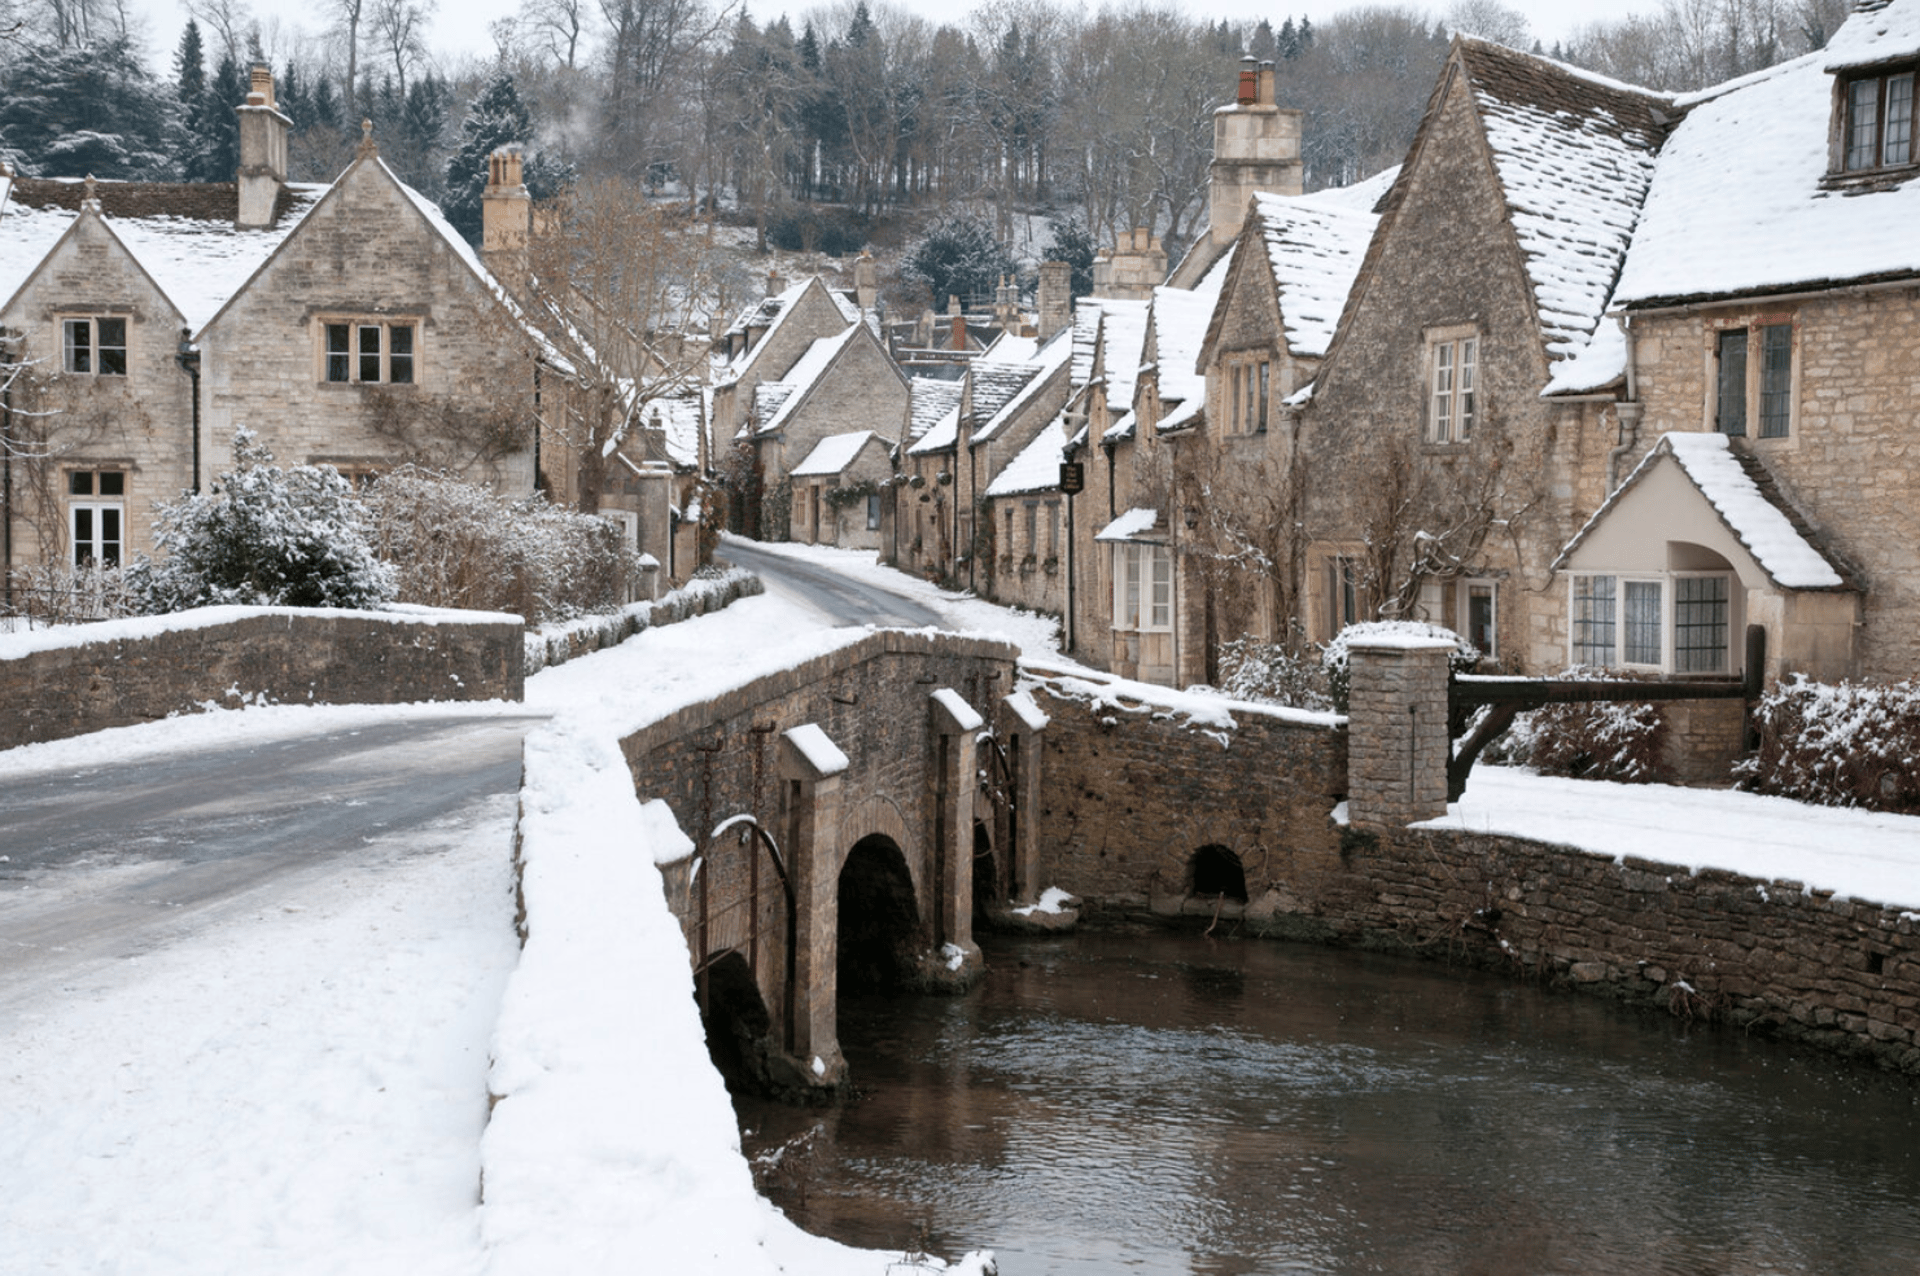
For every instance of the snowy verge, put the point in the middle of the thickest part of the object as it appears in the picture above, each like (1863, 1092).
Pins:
(612, 1145)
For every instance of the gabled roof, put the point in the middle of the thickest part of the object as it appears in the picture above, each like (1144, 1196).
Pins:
(181, 234)
(834, 454)
(1315, 249)
(1110, 334)
(1048, 360)
(1574, 153)
(1181, 318)
(1878, 32)
(680, 415)
(782, 398)
(770, 313)
(1738, 206)
(930, 399)
(1748, 503)
(1037, 467)
(1137, 524)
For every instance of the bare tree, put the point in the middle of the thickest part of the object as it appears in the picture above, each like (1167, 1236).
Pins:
(1489, 20)
(562, 25)
(614, 284)
(349, 14)
(228, 20)
(400, 28)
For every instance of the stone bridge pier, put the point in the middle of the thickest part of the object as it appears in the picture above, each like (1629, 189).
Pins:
(839, 821)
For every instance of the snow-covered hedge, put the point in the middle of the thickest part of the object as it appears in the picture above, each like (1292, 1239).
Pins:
(1273, 673)
(1622, 742)
(556, 644)
(456, 544)
(1854, 744)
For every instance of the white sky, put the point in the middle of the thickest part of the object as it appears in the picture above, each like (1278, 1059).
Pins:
(459, 28)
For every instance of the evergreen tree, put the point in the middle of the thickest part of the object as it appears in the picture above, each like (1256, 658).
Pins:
(1288, 41)
(496, 118)
(91, 108)
(213, 144)
(190, 66)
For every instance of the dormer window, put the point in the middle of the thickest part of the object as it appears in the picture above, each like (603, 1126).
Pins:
(1878, 129)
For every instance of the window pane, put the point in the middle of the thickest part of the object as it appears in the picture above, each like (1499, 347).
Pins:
(1349, 592)
(1700, 624)
(400, 354)
(1731, 418)
(873, 512)
(82, 534)
(113, 347)
(1643, 622)
(370, 352)
(1233, 396)
(1593, 620)
(1442, 425)
(113, 483)
(338, 366)
(1776, 380)
(110, 535)
(1899, 141)
(1469, 361)
(1162, 586)
(1265, 389)
(1480, 618)
(79, 345)
(1863, 123)
(80, 483)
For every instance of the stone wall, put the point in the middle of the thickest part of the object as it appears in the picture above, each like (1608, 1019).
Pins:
(53, 686)
(1131, 787)
(1848, 461)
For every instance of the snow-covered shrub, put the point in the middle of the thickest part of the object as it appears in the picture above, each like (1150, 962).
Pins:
(1854, 744)
(60, 594)
(1273, 673)
(457, 544)
(264, 536)
(1336, 655)
(1624, 742)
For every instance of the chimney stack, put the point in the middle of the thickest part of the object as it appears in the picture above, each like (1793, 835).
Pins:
(776, 284)
(1135, 267)
(263, 152)
(1256, 147)
(1055, 299)
(957, 324)
(866, 281)
(505, 215)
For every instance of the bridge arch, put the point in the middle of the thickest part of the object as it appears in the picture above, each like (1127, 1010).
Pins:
(880, 814)
(879, 928)
(738, 1024)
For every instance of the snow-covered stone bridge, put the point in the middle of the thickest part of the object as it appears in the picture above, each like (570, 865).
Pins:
(845, 814)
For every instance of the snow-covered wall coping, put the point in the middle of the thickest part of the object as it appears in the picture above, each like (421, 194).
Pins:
(1204, 710)
(135, 628)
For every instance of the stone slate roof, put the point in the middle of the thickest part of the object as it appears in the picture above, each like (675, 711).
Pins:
(930, 399)
(1575, 155)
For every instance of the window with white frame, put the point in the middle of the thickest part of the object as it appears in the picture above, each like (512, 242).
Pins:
(369, 352)
(97, 516)
(94, 346)
(1678, 623)
(1142, 587)
(1453, 380)
(1753, 380)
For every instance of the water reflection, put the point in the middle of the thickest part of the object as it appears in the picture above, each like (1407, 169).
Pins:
(1168, 1104)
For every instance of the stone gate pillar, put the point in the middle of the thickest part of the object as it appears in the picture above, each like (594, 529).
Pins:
(955, 725)
(810, 768)
(1026, 721)
(1397, 740)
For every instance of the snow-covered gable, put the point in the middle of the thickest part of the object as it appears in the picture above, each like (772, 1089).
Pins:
(1045, 363)
(1741, 494)
(1874, 35)
(833, 454)
(1037, 467)
(942, 436)
(1136, 524)
(930, 399)
(770, 314)
(1180, 320)
(801, 378)
(678, 417)
(1363, 196)
(1315, 250)
(1737, 206)
(1575, 155)
(182, 235)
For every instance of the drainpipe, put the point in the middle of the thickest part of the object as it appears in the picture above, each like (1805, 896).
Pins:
(189, 360)
(6, 475)
(1630, 410)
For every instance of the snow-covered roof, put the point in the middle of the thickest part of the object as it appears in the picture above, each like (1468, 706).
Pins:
(782, 403)
(942, 436)
(1363, 196)
(1113, 333)
(1741, 492)
(1131, 525)
(1037, 467)
(832, 454)
(1315, 250)
(1875, 34)
(770, 313)
(1575, 155)
(1737, 205)
(930, 399)
(1047, 361)
(679, 417)
(181, 234)
(1180, 320)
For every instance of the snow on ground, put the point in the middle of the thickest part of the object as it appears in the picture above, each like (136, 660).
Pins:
(300, 1089)
(1861, 854)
